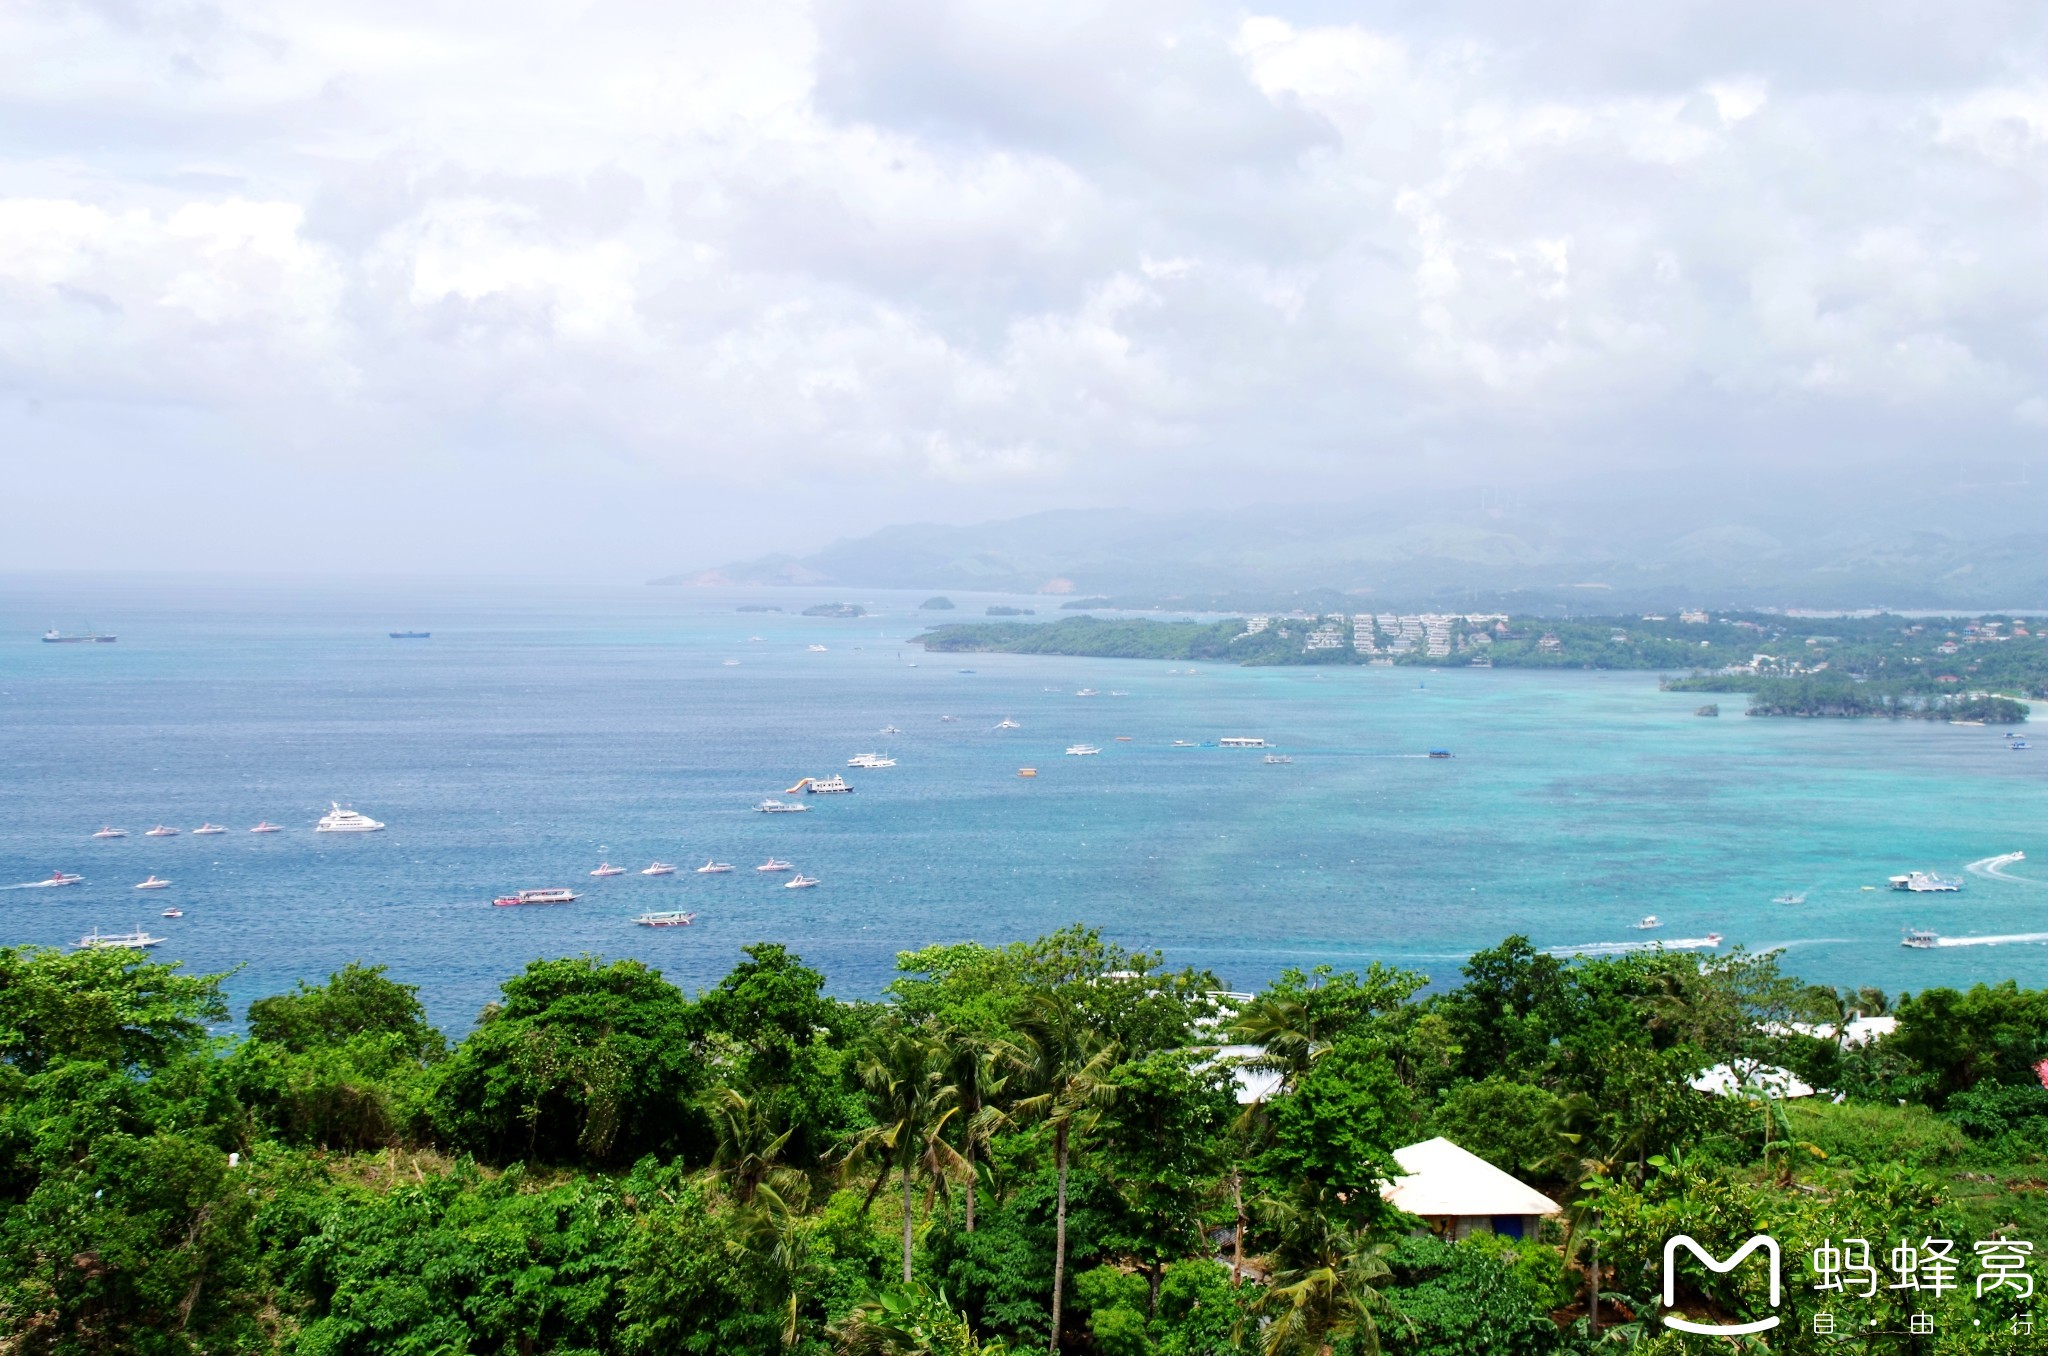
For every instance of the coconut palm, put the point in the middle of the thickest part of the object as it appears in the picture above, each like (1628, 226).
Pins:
(1285, 1029)
(749, 1148)
(903, 1074)
(1067, 1066)
(1325, 1281)
(980, 1068)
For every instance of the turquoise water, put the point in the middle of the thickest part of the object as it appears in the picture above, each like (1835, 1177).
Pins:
(542, 730)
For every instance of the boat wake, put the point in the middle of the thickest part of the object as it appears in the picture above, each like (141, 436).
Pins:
(1994, 868)
(1647, 944)
(30, 885)
(2013, 938)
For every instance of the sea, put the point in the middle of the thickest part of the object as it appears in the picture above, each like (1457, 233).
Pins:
(545, 728)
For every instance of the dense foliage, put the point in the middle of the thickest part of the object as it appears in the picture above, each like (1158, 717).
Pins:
(1022, 1146)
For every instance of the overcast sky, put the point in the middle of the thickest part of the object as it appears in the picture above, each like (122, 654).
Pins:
(634, 287)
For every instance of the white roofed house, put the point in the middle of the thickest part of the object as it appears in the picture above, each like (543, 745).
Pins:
(1459, 1193)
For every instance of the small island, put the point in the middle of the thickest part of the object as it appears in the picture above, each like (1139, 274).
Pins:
(756, 607)
(999, 610)
(938, 604)
(836, 610)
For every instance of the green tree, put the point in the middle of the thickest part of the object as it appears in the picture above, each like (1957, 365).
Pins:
(103, 1004)
(1162, 1149)
(1326, 1285)
(903, 1074)
(1342, 1124)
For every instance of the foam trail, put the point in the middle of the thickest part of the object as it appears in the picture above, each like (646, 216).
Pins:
(1623, 948)
(2014, 937)
(1994, 867)
(29, 885)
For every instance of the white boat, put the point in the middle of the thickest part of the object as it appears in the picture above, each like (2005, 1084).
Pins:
(173, 912)
(1797, 898)
(821, 786)
(1082, 750)
(779, 807)
(207, 830)
(265, 826)
(607, 869)
(153, 883)
(61, 878)
(944, 718)
(161, 831)
(1925, 882)
(338, 820)
(815, 649)
(775, 864)
(800, 883)
(550, 896)
(870, 760)
(1278, 758)
(1920, 939)
(673, 918)
(1007, 724)
(1240, 742)
(711, 868)
(658, 869)
(1183, 743)
(137, 940)
(1713, 939)
(111, 833)
(891, 729)
(1648, 921)
(731, 663)
(1087, 692)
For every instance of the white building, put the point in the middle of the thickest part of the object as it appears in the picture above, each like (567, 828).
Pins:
(1459, 1193)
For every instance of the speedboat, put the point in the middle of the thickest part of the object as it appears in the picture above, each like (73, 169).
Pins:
(2017, 743)
(815, 649)
(890, 729)
(1648, 921)
(1713, 939)
(1087, 692)
(1183, 743)
(1082, 750)
(673, 918)
(800, 883)
(173, 912)
(779, 807)
(821, 786)
(775, 864)
(711, 868)
(205, 830)
(607, 869)
(161, 831)
(870, 760)
(946, 718)
(111, 833)
(137, 940)
(1798, 898)
(658, 869)
(338, 820)
(535, 897)
(1925, 882)
(61, 878)
(1920, 939)
(1007, 724)
(153, 883)
(265, 826)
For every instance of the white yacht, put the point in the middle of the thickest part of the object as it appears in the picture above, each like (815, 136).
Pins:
(870, 760)
(1649, 921)
(821, 786)
(1007, 724)
(607, 869)
(137, 940)
(338, 820)
(800, 883)
(775, 864)
(1082, 750)
(780, 807)
(658, 869)
(1925, 882)
(111, 832)
(161, 831)
(207, 830)
(711, 868)
(153, 883)
(265, 826)
(61, 878)
(1921, 939)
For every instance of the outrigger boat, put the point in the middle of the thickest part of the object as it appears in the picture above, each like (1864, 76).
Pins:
(673, 918)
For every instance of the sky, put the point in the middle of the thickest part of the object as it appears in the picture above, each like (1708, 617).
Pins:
(624, 288)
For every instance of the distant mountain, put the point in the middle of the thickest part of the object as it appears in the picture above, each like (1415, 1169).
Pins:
(1579, 556)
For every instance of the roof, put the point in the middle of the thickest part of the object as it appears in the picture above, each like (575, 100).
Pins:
(1723, 1081)
(1253, 1085)
(1442, 1179)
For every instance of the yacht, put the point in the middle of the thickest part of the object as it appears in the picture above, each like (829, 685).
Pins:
(137, 940)
(153, 883)
(673, 918)
(173, 912)
(1082, 750)
(891, 729)
(658, 869)
(779, 807)
(711, 868)
(607, 869)
(61, 878)
(826, 786)
(161, 831)
(536, 897)
(775, 864)
(207, 830)
(1007, 724)
(265, 826)
(870, 760)
(111, 833)
(799, 882)
(1925, 882)
(338, 820)
(1920, 939)
(1649, 921)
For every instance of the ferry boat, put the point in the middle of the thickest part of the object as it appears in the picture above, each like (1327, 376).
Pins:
(1648, 921)
(607, 869)
(775, 864)
(870, 760)
(153, 883)
(90, 637)
(111, 833)
(338, 820)
(1920, 939)
(779, 807)
(658, 869)
(1007, 724)
(817, 786)
(1027, 772)
(536, 897)
(800, 883)
(207, 830)
(1082, 750)
(161, 831)
(672, 918)
(61, 878)
(411, 635)
(711, 868)
(173, 912)
(137, 940)
(1240, 742)
(1925, 882)
(1278, 758)
(265, 826)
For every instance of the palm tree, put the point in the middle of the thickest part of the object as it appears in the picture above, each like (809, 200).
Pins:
(903, 1073)
(1285, 1029)
(1325, 1279)
(1067, 1064)
(749, 1149)
(980, 1068)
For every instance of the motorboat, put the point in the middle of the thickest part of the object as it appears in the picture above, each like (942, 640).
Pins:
(672, 918)
(607, 869)
(111, 832)
(154, 882)
(1123, 739)
(551, 896)
(800, 883)
(711, 868)
(1027, 772)
(1713, 939)
(207, 830)
(948, 718)
(1082, 750)
(1649, 921)
(1278, 758)
(136, 940)
(412, 635)
(776, 864)
(1007, 724)
(2017, 743)
(1925, 882)
(338, 820)
(161, 831)
(1795, 898)
(821, 786)
(265, 826)
(1920, 939)
(61, 878)
(779, 807)
(815, 649)
(870, 760)
(730, 663)
(1439, 753)
(1183, 743)
(173, 912)
(1087, 692)
(658, 869)
(891, 729)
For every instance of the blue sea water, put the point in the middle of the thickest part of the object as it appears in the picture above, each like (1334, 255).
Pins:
(544, 728)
